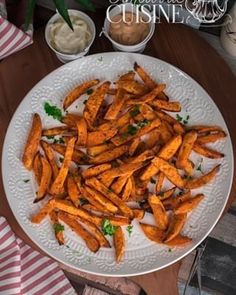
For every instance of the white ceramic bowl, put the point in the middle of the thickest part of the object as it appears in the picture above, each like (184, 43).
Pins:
(129, 7)
(63, 57)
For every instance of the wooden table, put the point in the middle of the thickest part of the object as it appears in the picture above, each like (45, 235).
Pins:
(176, 44)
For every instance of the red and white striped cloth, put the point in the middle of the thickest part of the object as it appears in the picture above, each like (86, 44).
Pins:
(12, 39)
(24, 271)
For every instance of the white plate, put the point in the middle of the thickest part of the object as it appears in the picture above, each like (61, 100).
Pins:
(141, 255)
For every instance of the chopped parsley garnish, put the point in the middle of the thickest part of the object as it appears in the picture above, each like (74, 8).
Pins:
(152, 180)
(108, 228)
(109, 191)
(161, 194)
(26, 180)
(85, 158)
(115, 164)
(135, 111)
(83, 201)
(179, 118)
(53, 111)
(169, 250)
(100, 58)
(50, 136)
(188, 177)
(85, 101)
(132, 130)
(129, 229)
(142, 203)
(58, 227)
(199, 167)
(124, 135)
(143, 123)
(89, 91)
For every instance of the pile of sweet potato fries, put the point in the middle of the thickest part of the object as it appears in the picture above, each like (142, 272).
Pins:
(123, 141)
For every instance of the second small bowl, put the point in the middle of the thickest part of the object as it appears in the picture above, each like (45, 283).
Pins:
(128, 7)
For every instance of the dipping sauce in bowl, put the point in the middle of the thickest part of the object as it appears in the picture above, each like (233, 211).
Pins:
(128, 29)
(63, 39)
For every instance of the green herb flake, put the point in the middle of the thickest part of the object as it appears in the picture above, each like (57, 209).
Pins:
(135, 111)
(106, 141)
(53, 111)
(61, 159)
(179, 118)
(108, 228)
(109, 191)
(26, 180)
(83, 201)
(188, 177)
(129, 229)
(152, 180)
(58, 227)
(169, 250)
(124, 135)
(85, 101)
(161, 194)
(100, 58)
(143, 123)
(132, 130)
(89, 91)
(49, 136)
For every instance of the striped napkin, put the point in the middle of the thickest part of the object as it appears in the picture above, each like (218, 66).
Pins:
(24, 271)
(12, 39)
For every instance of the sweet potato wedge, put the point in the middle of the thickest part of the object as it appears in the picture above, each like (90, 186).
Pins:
(121, 139)
(185, 151)
(149, 172)
(167, 194)
(95, 170)
(147, 112)
(62, 130)
(119, 243)
(189, 204)
(148, 81)
(82, 132)
(68, 207)
(70, 120)
(148, 97)
(101, 136)
(37, 168)
(132, 87)
(98, 149)
(179, 241)
(167, 105)
(72, 190)
(118, 185)
(99, 198)
(43, 212)
(205, 129)
(110, 155)
(127, 190)
(138, 214)
(159, 212)
(32, 143)
(202, 139)
(50, 156)
(153, 233)
(153, 139)
(96, 232)
(58, 183)
(170, 171)
(133, 146)
(170, 148)
(58, 228)
(78, 156)
(175, 227)
(172, 202)
(207, 152)
(203, 180)
(117, 220)
(95, 183)
(94, 103)
(91, 242)
(45, 180)
(116, 106)
(159, 183)
(77, 92)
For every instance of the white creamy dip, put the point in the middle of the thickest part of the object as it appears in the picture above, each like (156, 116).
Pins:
(64, 40)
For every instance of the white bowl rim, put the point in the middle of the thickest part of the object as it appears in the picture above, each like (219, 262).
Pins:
(67, 55)
(144, 41)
